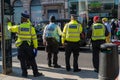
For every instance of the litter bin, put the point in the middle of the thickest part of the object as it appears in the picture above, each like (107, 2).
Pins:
(108, 64)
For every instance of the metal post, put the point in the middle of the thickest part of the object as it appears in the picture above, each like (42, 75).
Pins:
(6, 43)
(3, 40)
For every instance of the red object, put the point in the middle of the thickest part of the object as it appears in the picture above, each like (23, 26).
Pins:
(95, 18)
(116, 42)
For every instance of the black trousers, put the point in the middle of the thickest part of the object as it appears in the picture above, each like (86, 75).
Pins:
(52, 49)
(96, 50)
(71, 47)
(25, 54)
(55, 58)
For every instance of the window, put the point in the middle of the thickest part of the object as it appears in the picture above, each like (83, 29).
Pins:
(108, 6)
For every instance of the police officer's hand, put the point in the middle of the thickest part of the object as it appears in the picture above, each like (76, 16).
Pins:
(35, 52)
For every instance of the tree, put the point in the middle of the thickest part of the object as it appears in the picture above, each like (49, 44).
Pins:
(95, 5)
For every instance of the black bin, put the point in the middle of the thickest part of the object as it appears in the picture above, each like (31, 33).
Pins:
(108, 64)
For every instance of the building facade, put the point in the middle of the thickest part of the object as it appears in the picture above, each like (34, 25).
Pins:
(40, 9)
(58, 8)
(103, 8)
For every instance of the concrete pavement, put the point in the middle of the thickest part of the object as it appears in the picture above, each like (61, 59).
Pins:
(50, 74)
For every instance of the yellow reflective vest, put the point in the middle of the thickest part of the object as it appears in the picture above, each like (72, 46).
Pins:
(71, 32)
(98, 31)
(25, 32)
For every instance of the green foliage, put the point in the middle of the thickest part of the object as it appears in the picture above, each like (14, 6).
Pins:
(95, 4)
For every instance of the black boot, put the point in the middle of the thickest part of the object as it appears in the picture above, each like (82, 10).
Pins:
(49, 59)
(76, 70)
(38, 74)
(24, 74)
(57, 66)
(49, 63)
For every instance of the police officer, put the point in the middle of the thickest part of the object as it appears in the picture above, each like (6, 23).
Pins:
(51, 38)
(97, 33)
(71, 39)
(26, 35)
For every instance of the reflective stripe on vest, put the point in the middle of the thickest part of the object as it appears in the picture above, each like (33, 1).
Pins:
(24, 34)
(73, 32)
(98, 32)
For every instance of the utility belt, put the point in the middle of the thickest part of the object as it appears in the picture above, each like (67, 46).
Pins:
(25, 43)
(98, 40)
(72, 42)
(51, 39)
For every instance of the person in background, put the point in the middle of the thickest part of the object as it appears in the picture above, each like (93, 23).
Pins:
(97, 33)
(113, 29)
(71, 39)
(26, 52)
(119, 23)
(51, 39)
(107, 24)
(118, 30)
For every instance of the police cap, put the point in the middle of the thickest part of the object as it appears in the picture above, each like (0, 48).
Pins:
(25, 14)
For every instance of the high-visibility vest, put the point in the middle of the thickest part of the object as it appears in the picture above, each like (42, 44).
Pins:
(51, 31)
(24, 34)
(73, 33)
(98, 31)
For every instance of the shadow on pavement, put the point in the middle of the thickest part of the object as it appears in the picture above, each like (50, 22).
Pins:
(51, 74)
(82, 74)
(16, 75)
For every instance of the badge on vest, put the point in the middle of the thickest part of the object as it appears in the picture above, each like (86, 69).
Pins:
(98, 27)
(24, 29)
(73, 26)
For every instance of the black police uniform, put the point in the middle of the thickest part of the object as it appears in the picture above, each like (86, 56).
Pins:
(52, 44)
(26, 54)
(96, 48)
